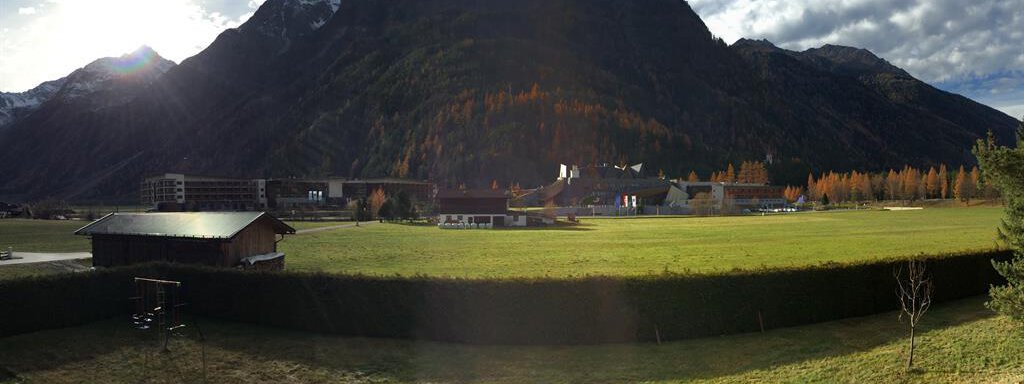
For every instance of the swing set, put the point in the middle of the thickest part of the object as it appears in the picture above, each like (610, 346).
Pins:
(158, 306)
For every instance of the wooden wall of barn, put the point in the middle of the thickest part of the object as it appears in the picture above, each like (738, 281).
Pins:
(111, 251)
(256, 239)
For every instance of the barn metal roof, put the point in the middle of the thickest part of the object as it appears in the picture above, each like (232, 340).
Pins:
(198, 225)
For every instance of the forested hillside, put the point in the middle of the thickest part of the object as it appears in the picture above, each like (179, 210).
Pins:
(463, 91)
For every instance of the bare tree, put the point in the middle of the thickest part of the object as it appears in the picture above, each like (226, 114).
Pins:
(914, 288)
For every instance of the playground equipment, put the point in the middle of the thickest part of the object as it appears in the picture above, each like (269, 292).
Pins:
(158, 306)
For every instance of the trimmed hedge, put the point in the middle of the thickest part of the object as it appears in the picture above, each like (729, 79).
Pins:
(510, 311)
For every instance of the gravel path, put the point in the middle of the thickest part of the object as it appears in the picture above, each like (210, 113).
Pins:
(36, 257)
(333, 227)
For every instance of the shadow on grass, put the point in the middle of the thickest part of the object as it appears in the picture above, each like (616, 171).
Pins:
(237, 347)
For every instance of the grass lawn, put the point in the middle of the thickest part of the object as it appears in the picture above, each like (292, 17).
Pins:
(606, 246)
(43, 235)
(644, 245)
(959, 342)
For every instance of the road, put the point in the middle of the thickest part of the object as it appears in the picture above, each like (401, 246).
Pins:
(37, 257)
(333, 227)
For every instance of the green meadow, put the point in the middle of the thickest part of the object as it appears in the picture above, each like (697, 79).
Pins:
(42, 235)
(601, 246)
(637, 246)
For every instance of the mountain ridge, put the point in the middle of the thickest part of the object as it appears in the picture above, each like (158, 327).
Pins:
(461, 91)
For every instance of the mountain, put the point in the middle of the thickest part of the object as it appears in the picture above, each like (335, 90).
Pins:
(115, 75)
(53, 132)
(15, 105)
(878, 113)
(107, 75)
(464, 91)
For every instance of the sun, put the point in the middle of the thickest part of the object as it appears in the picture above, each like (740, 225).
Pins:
(63, 35)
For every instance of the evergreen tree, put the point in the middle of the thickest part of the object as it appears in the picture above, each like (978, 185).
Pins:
(1003, 167)
(975, 182)
(387, 210)
(692, 177)
(404, 208)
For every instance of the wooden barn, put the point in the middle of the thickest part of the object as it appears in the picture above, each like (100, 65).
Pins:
(220, 239)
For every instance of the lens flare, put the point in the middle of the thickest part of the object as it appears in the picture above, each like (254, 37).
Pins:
(135, 61)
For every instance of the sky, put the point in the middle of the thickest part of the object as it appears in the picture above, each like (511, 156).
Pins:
(974, 48)
(971, 47)
(43, 40)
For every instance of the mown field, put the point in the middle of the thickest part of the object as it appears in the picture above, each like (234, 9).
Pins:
(638, 246)
(959, 342)
(43, 235)
(631, 246)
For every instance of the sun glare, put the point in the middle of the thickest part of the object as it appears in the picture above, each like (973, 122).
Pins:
(79, 32)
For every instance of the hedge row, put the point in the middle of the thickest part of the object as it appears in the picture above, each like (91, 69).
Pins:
(512, 311)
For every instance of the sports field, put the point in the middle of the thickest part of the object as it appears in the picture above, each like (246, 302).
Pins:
(958, 342)
(644, 245)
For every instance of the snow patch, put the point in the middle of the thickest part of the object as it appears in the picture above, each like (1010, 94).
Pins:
(14, 105)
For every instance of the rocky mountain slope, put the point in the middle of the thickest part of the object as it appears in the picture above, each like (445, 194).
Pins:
(15, 105)
(469, 91)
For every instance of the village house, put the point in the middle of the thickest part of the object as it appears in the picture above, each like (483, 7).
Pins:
(480, 208)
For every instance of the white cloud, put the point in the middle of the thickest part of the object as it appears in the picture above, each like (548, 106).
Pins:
(72, 33)
(27, 11)
(935, 40)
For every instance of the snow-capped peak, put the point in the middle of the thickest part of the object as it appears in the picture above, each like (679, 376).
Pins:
(14, 105)
(143, 65)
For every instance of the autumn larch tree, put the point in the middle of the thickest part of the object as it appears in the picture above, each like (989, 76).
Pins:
(931, 183)
(377, 199)
(692, 177)
(943, 182)
(960, 185)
